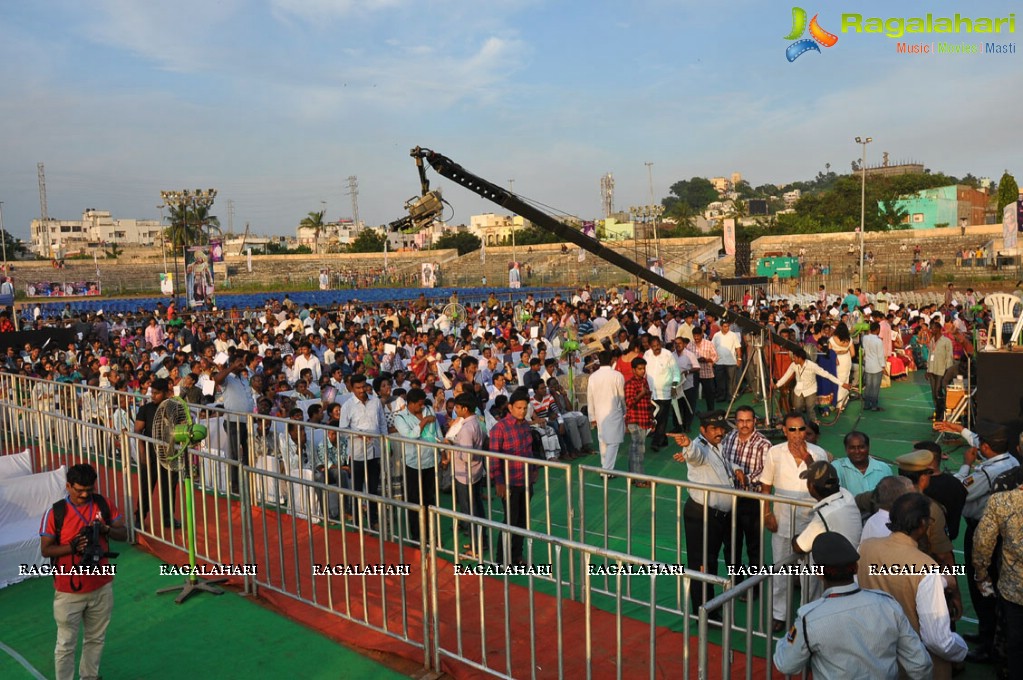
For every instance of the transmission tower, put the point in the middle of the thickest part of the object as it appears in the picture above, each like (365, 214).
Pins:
(607, 194)
(230, 217)
(353, 191)
(44, 215)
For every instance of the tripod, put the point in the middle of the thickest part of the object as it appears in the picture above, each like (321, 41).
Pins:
(764, 387)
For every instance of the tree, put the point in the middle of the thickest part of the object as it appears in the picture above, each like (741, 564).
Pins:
(368, 241)
(13, 246)
(187, 225)
(682, 214)
(1008, 192)
(698, 192)
(533, 235)
(114, 253)
(314, 221)
(462, 241)
(893, 213)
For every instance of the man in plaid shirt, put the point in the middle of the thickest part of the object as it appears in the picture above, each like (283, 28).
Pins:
(745, 448)
(511, 435)
(708, 356)
(639, 416)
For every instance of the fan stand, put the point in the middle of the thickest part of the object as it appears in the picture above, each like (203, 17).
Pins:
(193, 584)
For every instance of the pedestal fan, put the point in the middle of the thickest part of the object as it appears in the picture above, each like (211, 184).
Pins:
(173, 427)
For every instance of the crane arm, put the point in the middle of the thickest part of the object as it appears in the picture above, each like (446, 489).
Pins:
(446, 167)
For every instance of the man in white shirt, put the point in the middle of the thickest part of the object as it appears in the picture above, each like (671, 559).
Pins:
(605, 398)
(363, 416)
(688, 367)
(663, 375)
(306, 359)
(804, 392)
(835, 511)
(887, 490)
(783, 465)
(874, 363)
(728, 345)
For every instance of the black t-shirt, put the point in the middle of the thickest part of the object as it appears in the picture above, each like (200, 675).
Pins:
(950, 493)
(147, 414)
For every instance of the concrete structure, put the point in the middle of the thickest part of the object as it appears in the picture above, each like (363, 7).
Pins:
(332, 236)
(618, 231)
(494, 230)
(95, 231)
(946, 206)
(885, 170)
(721, 184)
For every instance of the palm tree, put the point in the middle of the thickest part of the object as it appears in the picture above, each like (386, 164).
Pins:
(314, 221)
(186, 225)
(114, 253)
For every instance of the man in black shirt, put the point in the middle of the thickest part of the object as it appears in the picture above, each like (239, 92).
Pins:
(164, 482)
(948, 491)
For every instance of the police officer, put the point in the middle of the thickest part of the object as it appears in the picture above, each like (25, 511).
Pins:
(707, 514)
(991, 442)
(850, 632)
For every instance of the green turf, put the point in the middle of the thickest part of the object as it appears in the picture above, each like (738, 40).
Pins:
(150, 636)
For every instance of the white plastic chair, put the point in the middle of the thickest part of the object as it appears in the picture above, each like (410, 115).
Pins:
(1003, 311)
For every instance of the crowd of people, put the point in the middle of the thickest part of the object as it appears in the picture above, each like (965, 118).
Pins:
(504, 379)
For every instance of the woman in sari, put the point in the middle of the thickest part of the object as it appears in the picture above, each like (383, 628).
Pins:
(827, 391)
(841, 344)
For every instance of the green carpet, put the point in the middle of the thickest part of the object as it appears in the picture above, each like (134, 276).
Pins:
(149, 636)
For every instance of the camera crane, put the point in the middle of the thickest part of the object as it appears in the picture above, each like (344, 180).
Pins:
(446, 167)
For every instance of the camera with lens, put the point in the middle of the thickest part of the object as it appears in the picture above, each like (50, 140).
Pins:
(93, 552)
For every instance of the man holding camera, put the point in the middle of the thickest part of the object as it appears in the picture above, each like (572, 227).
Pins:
(74, 534)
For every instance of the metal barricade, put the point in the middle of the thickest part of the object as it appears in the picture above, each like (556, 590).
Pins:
(348, 569)
(462, 611)
(663, 512)
(261, 498)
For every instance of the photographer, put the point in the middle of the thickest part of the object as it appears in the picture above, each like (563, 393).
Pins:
(75, 534)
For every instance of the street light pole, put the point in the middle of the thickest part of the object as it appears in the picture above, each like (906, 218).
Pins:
(863, 199)
(657, 239)
(511, 188)
(3, 235)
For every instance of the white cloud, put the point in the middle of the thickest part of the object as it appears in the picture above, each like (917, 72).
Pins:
(320, 10)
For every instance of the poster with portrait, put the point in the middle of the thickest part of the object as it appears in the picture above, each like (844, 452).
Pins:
(216, 250)
(62, 288)
(167, 284)
(1011, 224)
(429, 277)
(728, 234)
(198, 277)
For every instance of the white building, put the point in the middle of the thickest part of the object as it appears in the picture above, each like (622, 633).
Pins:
(493, 230)
(96, 230)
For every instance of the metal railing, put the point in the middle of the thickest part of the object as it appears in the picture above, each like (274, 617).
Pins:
(260, 503)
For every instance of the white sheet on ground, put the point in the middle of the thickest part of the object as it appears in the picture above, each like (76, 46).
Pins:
(23, 502)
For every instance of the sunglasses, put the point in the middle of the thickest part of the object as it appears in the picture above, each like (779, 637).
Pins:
(797, 429)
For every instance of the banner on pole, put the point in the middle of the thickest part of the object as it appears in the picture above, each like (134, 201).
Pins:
(198, 276)
(729, 235)
(1010, 224)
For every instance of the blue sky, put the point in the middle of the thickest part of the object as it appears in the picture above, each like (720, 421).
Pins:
(276, 102)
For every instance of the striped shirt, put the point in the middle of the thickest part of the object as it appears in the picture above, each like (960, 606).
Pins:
(749, 455)
(705, 349)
